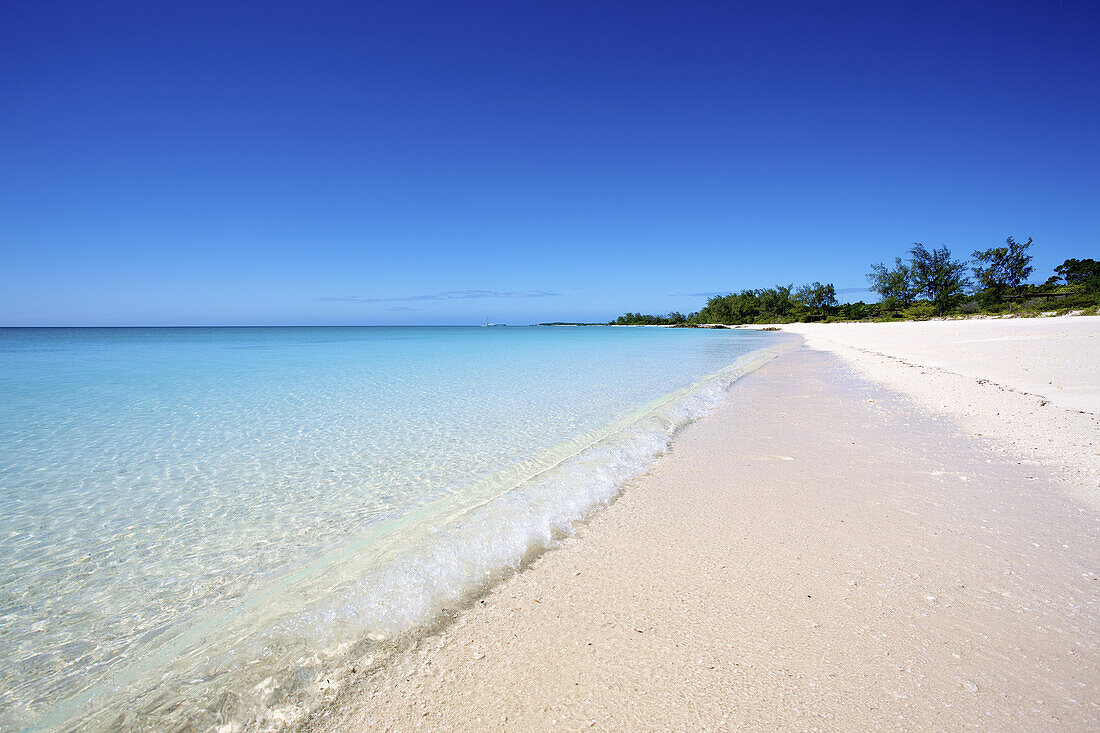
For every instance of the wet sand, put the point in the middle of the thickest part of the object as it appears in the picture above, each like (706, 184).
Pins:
(821, 553)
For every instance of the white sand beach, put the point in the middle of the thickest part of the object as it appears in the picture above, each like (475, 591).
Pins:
(894, 527)
(1052, 357)
(1002, 380)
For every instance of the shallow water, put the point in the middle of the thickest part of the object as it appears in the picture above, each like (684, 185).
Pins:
(198, 525)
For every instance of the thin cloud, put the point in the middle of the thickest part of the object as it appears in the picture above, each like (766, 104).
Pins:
(402, 308)
(445, 295)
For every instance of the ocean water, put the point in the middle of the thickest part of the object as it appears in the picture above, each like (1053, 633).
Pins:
(207, 527)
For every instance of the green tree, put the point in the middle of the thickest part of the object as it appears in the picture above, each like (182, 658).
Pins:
(676, 318)
(895, 287)
(816, 296)
(640, 319)
(938, 276)
(1000, 269)
(1080, 272)
(857, 311)
(717, 310)
(775, 304)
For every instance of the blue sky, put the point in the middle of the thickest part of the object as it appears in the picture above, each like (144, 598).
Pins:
(438, 163)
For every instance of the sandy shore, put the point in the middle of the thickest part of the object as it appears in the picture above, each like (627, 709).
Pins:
(1027, 388)
(1052, 357)
(822, 553)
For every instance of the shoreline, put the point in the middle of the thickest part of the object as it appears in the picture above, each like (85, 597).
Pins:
(266, 656)
(689, 560)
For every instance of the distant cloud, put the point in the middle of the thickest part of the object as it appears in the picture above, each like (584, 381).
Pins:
(402, 308)
(445, 295)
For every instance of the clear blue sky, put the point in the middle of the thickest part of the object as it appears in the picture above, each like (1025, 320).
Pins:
(421, 163)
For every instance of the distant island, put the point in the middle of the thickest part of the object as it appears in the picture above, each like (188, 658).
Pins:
(929, 284)
(569, 323)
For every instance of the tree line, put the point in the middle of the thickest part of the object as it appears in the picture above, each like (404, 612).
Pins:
(928, 283)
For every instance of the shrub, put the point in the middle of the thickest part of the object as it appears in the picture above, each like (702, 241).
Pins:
(919, 311)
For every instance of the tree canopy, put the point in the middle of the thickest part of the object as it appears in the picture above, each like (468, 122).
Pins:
(942, 279)
(816, 296)
(1000, 269)
(1080, 272)
(895, 286)
(929, 283)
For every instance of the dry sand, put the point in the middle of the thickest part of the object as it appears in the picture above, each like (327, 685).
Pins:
(1027, 388)
(1058, 358)
(821, 553)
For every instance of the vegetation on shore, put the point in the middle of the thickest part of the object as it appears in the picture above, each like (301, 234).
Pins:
(930, 283)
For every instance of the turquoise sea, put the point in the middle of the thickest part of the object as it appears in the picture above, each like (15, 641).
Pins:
(203, 527)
